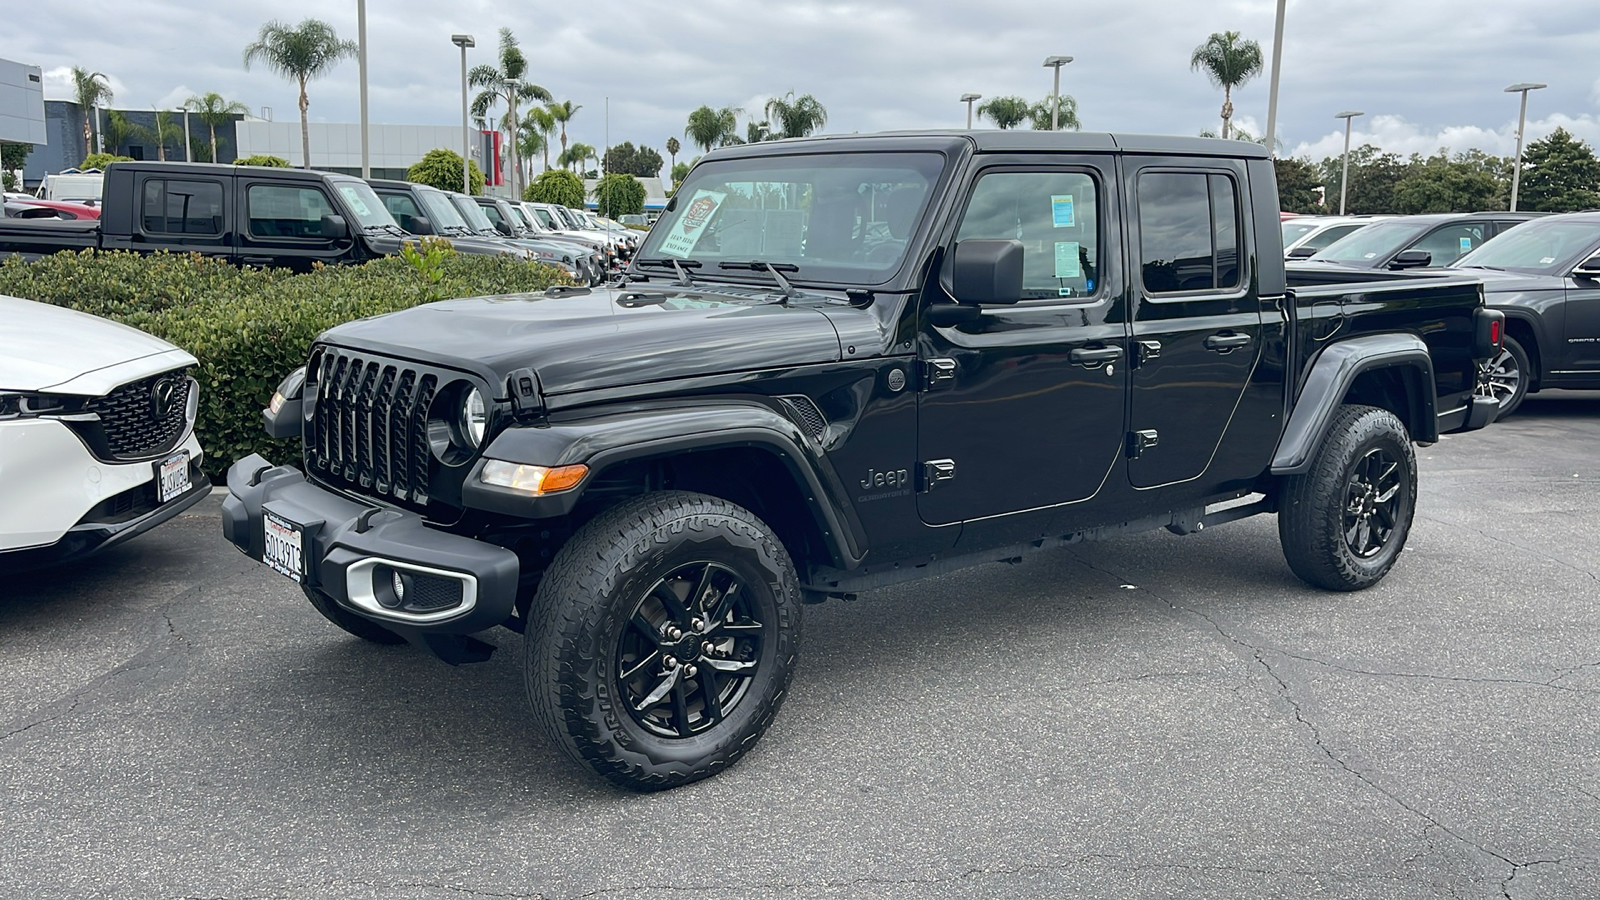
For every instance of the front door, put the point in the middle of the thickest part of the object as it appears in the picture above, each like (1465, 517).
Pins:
(1023, 408)
(1197, 325)
(1582, 327)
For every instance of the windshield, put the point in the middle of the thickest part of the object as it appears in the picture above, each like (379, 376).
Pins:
(1373, 244)
(546, 219)
(364, 202)
(843, 217)
(521, 216)
(571, 218)
(1546, 247)
(473, 213)
(441, 210)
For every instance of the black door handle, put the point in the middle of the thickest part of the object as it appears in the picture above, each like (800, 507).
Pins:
(1226, 342)
(1087, 355)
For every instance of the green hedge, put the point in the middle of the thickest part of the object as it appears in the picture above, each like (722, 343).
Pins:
(249, 327)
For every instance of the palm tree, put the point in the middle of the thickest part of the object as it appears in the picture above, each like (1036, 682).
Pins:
(504, 83)
(713, 127)
(213, 110)
(1068, 118)
(756, 132)
(1228, 62)
(541, 121)
(562, 113)
(1006, 112)
(118, 129)
(796, 118)
(165, 131)
(89, 89)
(302, 53)
(530, 142)
(672, 150)
(576, 155)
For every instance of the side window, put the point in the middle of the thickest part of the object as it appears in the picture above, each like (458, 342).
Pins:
(286, 212)
(1188, 232)
(182, 207)
(1450, 243)
(1056, 216)
(403, 209)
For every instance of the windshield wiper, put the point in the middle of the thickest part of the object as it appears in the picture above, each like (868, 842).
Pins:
(776, 269)
(679, 265)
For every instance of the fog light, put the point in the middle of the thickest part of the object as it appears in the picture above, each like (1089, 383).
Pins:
(399, 588)
(533, 480)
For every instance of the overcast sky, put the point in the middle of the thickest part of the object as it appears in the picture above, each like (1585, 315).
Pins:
(1428, 73)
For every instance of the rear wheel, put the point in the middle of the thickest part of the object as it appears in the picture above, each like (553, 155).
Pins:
(1344, 522)
(1505, 378)
(349, 621)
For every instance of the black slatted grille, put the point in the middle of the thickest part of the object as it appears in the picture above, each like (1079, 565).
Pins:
(805, 411)
(129, 415)
(370, 428)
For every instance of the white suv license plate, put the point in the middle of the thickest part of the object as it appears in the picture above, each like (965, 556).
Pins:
(172, 477)
(283, 550)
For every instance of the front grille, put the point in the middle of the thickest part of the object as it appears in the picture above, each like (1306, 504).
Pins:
(144, 418)
(370, 429)
(430, 592)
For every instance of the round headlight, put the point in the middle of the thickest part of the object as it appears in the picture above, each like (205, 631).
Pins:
(474, 417)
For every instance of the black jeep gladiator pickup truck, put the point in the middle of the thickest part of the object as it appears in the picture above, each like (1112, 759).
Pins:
(837, 364)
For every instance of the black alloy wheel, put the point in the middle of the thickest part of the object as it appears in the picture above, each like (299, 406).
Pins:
(1372, 503)
(690, 651)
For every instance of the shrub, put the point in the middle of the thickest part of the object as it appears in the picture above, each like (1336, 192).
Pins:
(101, 160)
(262, 159)
(441, 168)
(249, 327)
(619, 194)
(556, 186)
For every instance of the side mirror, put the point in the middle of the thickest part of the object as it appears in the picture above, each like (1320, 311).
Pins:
(1302, 252)
(986, 271)
(503, 227)
(1411, 259)
(334, 228)
(421, 225)
(1589, 269)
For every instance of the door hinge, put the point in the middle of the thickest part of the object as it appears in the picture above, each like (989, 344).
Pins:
(1140, 441)
(936, 472)
(1144, 351)
(938, 373)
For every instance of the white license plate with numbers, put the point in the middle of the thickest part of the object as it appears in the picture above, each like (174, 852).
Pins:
(172, 476)
(284, 548)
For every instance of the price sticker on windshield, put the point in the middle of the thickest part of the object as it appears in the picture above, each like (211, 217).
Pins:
(688, 229)
(1062, 214)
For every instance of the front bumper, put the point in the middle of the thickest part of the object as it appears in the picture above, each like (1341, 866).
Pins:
(351, 549)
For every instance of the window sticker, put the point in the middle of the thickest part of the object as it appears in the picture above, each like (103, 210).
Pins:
(1067, 263)
(355, 201)
(1545, 261)
(686, 232)
(1466, 244)
(1061, 212)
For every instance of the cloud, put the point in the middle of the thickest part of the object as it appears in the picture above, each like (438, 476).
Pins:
(1393, 134)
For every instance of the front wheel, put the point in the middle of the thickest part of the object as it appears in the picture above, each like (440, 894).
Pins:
(662, 639)
(1505, 378)
(1344, 522)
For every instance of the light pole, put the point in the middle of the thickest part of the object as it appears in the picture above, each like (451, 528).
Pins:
(1056, 62)
(464, 41)
(361, 64)
(1272, 93)
(1522, 121)
(188, 151)
(1344, 180)
(968, 99)
(511, 129)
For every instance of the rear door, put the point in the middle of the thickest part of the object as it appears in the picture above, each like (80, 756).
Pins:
(1197, 318)
(181, 213)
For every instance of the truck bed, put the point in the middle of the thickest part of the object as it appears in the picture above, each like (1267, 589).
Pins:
(33, 238)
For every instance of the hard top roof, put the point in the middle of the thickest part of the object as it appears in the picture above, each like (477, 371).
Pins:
(1008, 141)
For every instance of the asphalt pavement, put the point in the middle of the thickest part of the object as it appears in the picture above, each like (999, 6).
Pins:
(1158, 716)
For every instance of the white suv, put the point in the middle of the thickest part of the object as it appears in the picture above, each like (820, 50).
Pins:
(96, 433)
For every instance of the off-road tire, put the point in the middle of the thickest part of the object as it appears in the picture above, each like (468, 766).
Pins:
(586, 603)
(1313, 507)
(349, 621)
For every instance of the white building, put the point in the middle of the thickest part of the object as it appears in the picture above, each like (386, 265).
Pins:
(336, 147)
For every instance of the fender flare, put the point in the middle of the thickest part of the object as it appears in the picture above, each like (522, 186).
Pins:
(1332, 373)
(607, 439)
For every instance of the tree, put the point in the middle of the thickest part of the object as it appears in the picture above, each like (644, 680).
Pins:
(274, 162)
(1229, 62)
(1560, 174)
(756, 132)
(709, 128)
(562, 113)
(556, 186)
(12, 158)
(118, 129)
(1373, 178)
(89, 90)
(672, 150)
(213, 110)
(680, 171)
(1440, 184)
(540, 120)
(530, 142)
(1068, 117)
(165, 130)
(1298, 181)
(1005, 112)
(441, 168)
(101, 160)
(619, 194)
(795, 117)
(575, 156)
(307, 51)
(505, 83)
(624, 158)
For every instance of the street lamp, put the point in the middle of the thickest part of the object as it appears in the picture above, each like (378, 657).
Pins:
(1344, 180)
(464, 41)
(510, 122)
(1056, 62)
(188, 151)
(1522, 120)
(361, 65)
(968, 100)
(1272, 93)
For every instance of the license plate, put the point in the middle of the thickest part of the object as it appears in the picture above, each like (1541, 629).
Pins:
(284, 548)
(172, 476)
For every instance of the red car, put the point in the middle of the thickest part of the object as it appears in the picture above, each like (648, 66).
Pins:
(31, 208)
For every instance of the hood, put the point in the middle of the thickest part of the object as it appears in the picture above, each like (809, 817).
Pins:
(52, 348)
(579, 340)
(1497, 283)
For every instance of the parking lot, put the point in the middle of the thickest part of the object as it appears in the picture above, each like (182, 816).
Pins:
(1158, 716)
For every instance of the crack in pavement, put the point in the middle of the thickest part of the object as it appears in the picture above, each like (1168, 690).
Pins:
(1510, 543)
(1521, 682)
